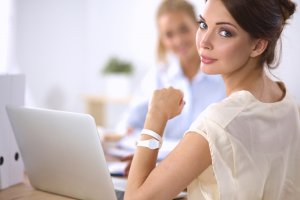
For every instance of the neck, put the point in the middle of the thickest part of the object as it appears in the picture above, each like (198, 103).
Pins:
(256, 82)
(190, 67)
(243, 79)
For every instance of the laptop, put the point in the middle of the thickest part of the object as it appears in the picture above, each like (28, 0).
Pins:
(62, 153)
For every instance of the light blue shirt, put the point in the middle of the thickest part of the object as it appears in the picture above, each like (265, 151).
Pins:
(198, 94)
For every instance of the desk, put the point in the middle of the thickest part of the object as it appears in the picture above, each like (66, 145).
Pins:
(96, 105)
(23, 191)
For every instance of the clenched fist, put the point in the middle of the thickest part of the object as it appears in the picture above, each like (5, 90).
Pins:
(168, 102)
(164, 105)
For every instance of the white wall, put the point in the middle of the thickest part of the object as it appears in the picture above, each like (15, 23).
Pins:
(5, 33)
(50, 48)
(61, 45)
(123, 28)
(289, 69)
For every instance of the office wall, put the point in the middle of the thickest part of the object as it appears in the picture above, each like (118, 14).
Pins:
(5, 33)
(61, 45)
(289, 69)
(50, 48)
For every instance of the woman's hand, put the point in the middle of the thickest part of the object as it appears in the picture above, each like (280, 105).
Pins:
(167, 102)
(127, 159)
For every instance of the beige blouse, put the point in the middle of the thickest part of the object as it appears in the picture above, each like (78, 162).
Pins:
(255, 150)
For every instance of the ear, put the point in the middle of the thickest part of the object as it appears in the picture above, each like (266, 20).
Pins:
(259, 46)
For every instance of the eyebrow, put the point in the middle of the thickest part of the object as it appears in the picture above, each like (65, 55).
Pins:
(219, 23)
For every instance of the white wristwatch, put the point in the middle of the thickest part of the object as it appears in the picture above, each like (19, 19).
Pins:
(151, 144)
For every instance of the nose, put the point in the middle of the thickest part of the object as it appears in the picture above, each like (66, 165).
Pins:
(203, 40)
(178, 39)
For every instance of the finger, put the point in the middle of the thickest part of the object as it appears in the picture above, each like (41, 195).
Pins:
(182, 102)
(126, 158)
(127, 168)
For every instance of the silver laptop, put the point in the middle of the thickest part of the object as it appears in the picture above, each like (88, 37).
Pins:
(62, 153)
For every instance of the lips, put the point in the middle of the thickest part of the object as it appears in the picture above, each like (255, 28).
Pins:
(207, 60)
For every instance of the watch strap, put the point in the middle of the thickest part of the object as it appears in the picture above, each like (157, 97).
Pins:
(152, 134)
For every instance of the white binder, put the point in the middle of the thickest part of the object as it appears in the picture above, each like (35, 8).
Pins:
(12, 92)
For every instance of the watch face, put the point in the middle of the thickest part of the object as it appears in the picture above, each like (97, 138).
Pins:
(153, 144)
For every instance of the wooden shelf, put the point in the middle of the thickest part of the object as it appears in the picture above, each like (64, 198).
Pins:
(96, 105)
(94, 98)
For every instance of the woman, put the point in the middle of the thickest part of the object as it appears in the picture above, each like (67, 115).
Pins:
(248, 145)
(178, 67)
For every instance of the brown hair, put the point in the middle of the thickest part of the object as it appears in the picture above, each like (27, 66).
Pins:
(172, 6)
(262, 19)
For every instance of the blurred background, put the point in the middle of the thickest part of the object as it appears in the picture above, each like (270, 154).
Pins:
(62, 46)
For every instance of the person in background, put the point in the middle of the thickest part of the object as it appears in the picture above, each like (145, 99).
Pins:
(248, 145)
(179, 67)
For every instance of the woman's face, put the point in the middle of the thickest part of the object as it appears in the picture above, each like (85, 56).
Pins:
(224, 47)
(177, 33)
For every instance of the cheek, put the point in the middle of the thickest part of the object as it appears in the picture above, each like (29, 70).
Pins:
(198, 41)
(231, 56)
(190, 41)
(192, 38)
(191, 35)
(167, 43)
(234, 55)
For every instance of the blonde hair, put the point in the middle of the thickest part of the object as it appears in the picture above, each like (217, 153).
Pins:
(168, 6)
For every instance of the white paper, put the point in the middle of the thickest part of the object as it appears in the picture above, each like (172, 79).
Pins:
(117, 168)
(119, 183)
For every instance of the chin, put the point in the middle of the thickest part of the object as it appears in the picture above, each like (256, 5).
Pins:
(182, 56)
(186, 55)
(208, 70)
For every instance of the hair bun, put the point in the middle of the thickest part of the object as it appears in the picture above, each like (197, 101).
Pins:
(287, 8)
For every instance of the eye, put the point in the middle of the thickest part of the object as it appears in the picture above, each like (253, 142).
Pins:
(184, 29)
(225, 33)
(202, 25)
(169, 34)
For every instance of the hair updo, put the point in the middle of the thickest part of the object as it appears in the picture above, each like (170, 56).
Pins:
(262, 19)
